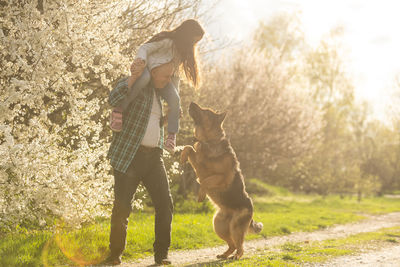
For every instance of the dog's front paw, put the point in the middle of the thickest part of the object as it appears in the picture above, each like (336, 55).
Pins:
(202, 195)
(184, 157)
(185, 154)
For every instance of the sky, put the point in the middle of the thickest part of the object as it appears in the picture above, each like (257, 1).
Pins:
(371, 36)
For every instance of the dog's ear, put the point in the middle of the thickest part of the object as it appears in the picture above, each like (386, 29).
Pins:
(221, 117)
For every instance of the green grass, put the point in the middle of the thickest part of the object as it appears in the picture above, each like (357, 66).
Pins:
(258, 187)
(281, 213)
(297, 254)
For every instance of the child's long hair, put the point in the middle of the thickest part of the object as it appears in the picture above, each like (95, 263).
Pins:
(182, 36)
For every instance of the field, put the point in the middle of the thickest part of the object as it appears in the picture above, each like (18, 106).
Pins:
(280, 211)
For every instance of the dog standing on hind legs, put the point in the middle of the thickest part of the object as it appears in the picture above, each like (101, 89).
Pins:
(220, 177)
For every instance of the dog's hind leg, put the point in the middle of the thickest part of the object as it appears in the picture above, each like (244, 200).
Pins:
(238, 228)
(221, 228)
(228, 252)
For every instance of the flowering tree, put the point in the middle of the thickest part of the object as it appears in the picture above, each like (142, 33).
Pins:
(58, 60)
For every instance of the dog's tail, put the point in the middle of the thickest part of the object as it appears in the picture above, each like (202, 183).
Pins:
(255, 227)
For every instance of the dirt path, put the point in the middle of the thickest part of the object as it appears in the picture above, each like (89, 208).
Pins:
(202, 257)
(386, 257)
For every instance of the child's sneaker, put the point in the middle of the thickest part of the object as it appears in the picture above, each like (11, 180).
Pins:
(116, 120)
(170, 143)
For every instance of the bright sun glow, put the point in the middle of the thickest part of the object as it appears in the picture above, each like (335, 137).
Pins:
(370, 36)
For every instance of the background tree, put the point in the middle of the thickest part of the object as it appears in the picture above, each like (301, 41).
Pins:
(269, 119)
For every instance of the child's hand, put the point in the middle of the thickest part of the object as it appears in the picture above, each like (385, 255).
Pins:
(137, 67)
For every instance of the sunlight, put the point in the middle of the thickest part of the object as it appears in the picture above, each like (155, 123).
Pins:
(73, 249)
(369, 36)
(370, 39)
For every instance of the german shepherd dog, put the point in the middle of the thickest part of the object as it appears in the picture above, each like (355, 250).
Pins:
(220, 177)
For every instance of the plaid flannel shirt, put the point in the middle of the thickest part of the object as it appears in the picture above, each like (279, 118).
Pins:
(124, 144)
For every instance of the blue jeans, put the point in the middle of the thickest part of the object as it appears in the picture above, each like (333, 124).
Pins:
(169, 93)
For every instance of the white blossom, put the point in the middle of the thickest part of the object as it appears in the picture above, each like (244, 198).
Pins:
(52, 151)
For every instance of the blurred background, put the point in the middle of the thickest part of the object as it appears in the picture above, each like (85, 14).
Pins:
(311, 89)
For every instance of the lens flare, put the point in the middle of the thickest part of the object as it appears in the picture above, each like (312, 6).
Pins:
(71, 249)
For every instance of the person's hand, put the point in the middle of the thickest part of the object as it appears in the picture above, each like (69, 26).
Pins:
(137, 67)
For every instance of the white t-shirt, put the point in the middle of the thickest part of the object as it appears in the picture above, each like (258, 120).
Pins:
(152, 134)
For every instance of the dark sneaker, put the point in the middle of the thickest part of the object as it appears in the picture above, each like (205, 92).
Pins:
(165, 261)
(161, 259)
(111, 261)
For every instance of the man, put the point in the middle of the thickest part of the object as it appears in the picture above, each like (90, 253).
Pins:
(136, 156)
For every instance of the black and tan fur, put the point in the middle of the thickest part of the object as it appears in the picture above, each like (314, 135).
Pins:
(220, 177)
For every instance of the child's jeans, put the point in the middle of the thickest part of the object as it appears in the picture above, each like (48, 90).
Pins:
(169, 93)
